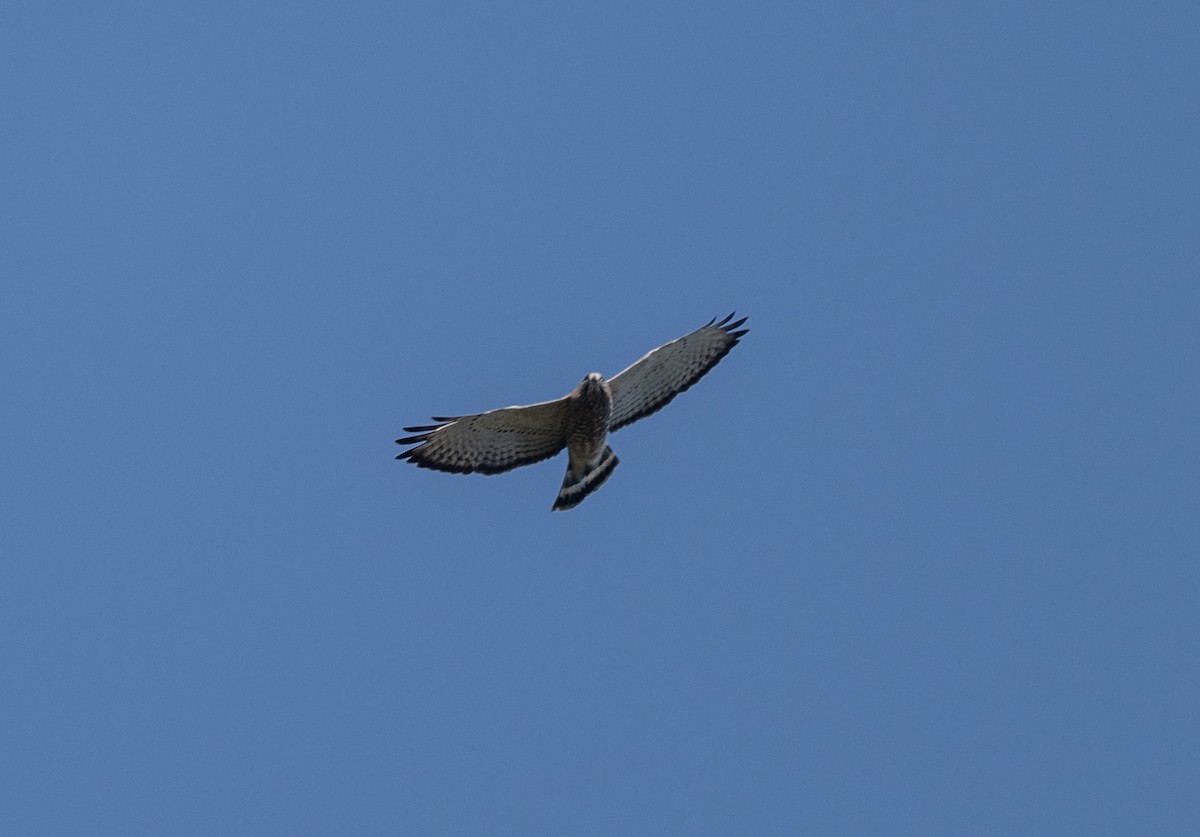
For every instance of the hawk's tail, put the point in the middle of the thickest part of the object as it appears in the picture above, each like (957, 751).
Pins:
(583, 478)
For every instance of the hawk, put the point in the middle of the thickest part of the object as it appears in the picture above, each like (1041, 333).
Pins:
(500, 440)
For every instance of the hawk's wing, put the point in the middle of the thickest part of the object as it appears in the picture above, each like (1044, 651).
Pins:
(651, 383)
(491, 442)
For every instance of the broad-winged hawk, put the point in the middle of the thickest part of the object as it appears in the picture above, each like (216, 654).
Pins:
(500, 440)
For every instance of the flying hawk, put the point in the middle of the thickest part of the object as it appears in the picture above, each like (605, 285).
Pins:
(500, 440)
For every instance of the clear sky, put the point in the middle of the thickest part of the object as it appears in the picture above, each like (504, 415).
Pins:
(919, 557)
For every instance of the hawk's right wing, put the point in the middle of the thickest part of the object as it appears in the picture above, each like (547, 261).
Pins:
(649, 385)
(491, 442)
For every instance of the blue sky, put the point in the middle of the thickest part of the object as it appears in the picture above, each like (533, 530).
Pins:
(919, 556)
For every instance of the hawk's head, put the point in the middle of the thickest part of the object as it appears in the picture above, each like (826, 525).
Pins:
(590, 380)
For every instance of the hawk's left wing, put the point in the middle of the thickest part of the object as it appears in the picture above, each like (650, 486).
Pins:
(649, 385)
(491, 442)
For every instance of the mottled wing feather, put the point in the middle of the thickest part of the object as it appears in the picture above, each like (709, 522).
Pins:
(491, 442)
(649, 385)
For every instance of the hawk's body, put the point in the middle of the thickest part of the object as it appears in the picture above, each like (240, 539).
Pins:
(501, 440)
(590, 459)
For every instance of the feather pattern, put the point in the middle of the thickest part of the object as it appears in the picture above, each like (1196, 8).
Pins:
(650, 384)
(491, 442)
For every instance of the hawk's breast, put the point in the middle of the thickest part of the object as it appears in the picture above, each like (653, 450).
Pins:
(587, 421)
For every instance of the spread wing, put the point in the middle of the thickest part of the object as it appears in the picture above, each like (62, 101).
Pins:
(649, 385)
(491, 442)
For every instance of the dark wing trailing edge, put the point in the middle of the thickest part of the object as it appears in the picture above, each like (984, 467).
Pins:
(650, 384)
(491, 442)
